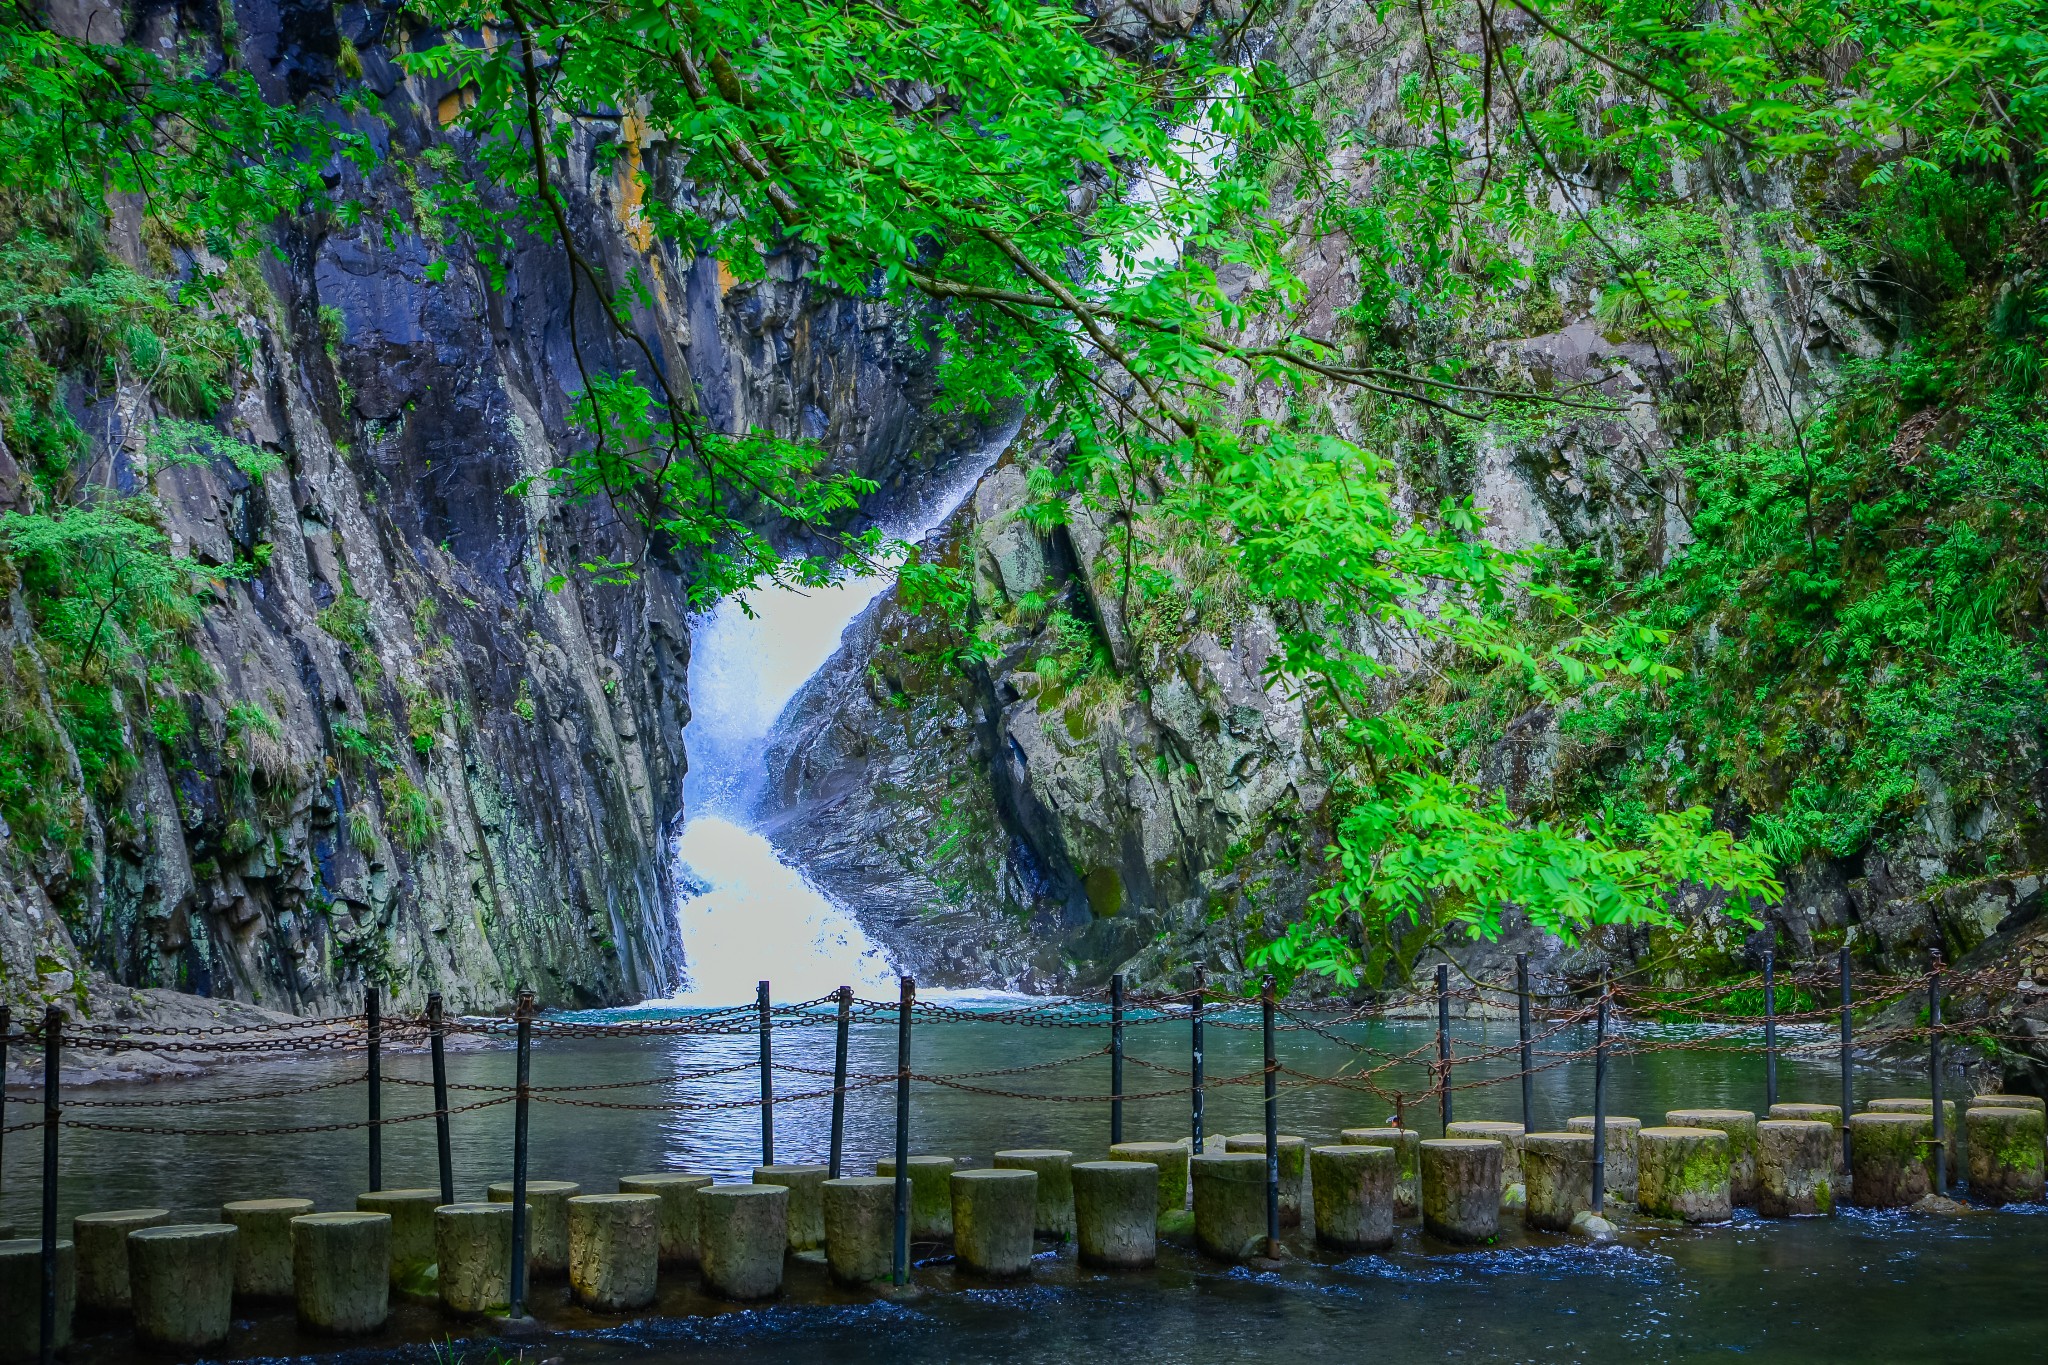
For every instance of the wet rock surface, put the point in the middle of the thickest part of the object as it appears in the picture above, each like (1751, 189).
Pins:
(1039, 820)
(424, 763)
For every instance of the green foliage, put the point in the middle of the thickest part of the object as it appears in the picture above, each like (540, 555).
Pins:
(1131, 360)
(1061, 219)
(424, 714)
(37, 796)
(357, 742)
(246, 724)
(175, 442)
(110, 606)
(943, 594)
(1318, 536)
(101, 582)
(70, 306)
(347, 618)
(1827, 682)
(413, 815)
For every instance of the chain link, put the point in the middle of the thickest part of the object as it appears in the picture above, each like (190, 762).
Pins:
(1641, 1036)
(281, 1131)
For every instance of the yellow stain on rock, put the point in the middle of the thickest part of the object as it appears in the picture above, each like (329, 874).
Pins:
(454, 103)
(632, 189)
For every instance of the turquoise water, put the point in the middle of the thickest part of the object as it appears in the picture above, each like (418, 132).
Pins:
(1870, 1287)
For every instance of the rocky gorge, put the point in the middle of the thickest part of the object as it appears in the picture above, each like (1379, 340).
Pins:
(1120, 784)
(420, 765)
(440, 757)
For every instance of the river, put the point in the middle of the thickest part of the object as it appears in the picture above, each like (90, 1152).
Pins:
(1856, 1286)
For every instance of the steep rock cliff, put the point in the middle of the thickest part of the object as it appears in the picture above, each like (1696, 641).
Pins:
(420, 765)
(1116, 792)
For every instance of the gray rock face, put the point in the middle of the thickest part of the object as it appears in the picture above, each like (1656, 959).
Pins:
(420, 765)
(1047, 818)
(1010, 823)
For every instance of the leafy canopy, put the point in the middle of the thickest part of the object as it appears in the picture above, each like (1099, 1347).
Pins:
(1112, 240)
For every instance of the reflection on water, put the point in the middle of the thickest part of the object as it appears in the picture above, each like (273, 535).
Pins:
(1854, 1287)
(596, 1145)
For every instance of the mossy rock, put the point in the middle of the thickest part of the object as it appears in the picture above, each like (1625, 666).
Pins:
(1795, 1167)
(1292, 1155)
(1740, 1126)
(1891, 1159)
(1461, 1189)
(994, 1212)
(1407, 1170)
(2006, 1154)
(1682, 1173)
(931, 1194)
(1172, 1160)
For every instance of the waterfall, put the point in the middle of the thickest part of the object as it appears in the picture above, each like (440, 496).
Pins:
(747, 915)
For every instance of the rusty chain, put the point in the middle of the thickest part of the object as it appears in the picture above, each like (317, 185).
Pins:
(1638, 1037)
(213, 1099)
(281, 1131)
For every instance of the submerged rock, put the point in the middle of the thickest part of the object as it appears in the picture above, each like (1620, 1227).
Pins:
(1592, 1227)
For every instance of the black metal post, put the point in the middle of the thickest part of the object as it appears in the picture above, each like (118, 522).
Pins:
(521, 1095)
(1195, 1045)
(372, 1008)
(1770, 1029)
(1272, 1123)
(1116, 1059)
(443, 1148)
(901, 1263)
(6, 1027)
(1934, 1077)
(839, 1080)
(1848, 1072)
(53, 1051)
(1443, 1038)
(1600, 1103)
(1528, 1048)
(767, 1077)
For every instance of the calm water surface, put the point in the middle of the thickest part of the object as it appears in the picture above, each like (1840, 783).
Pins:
(1856, 1286)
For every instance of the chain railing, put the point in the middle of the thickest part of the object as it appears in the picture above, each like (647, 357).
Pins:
(1631, 1020)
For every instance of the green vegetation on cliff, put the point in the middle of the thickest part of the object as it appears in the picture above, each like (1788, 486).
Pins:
(1113, 230)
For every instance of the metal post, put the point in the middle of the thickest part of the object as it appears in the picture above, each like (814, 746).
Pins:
(6, 1027)
(908, 998)
(1272, 1124)
(1934, 1077)
(1195, 1044)
(1528, 1048)
(839, 1080)
(1116, 1059)
(372, 1008)
(53, 1049)
(1443, 1038)
(1770, 1029)
(441, 1144)
(1600, 1102)
(767, 1078)
(524, 1013)
(1848, 1073)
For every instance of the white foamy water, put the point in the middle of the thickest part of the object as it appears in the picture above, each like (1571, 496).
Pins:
(757, 918)
(743, 671)
(762, 920)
